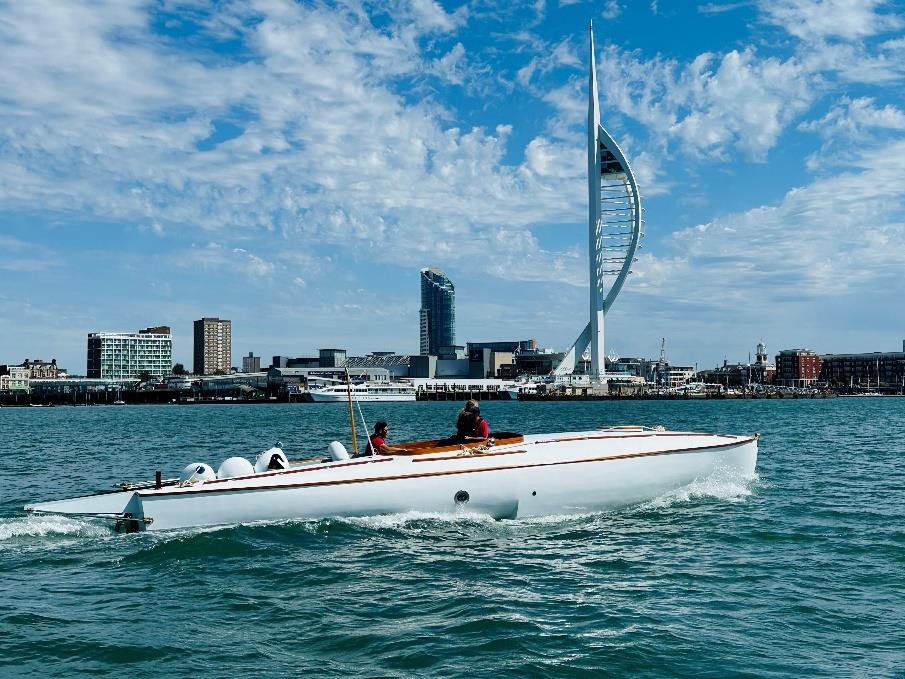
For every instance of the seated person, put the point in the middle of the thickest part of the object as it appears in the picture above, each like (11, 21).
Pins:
(470, 426)
(465, 420)
(377, 443)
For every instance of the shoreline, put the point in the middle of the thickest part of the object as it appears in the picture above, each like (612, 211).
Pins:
(54, 403)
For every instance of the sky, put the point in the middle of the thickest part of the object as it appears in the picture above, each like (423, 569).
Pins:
(291, 166)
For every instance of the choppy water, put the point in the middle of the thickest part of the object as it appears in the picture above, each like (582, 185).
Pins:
(798, 573)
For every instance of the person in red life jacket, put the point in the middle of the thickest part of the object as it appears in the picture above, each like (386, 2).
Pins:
(377, 443)
(481, 428)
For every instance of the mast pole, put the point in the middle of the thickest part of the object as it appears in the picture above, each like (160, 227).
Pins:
(351, 412)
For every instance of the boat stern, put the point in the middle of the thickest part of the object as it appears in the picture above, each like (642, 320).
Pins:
(124, 507)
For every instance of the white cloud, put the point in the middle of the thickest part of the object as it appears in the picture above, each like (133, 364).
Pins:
(611, 9)
(853, 119)
(452, 66)
(713, 104)
(719, 8)
(428, 16)
(103, 118)
(838, 236)
(821, 19)
(563, 54)
(851, 123)
(853, 63)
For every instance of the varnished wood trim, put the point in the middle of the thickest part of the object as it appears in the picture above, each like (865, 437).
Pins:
(451, 472)
(432, 446)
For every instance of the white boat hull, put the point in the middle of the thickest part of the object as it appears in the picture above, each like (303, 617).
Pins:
(320, 397)
(543, 475)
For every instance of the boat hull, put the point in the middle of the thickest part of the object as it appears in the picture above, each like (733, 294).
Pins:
(318, 397)
(539, 476)
(501, 485)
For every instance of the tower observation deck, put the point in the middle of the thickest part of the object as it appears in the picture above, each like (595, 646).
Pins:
(614, 230)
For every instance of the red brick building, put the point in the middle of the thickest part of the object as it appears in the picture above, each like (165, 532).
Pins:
(797, 367)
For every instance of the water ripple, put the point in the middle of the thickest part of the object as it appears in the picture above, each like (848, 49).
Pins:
(794, 573)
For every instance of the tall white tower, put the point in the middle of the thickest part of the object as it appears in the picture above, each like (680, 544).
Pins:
(614, 230)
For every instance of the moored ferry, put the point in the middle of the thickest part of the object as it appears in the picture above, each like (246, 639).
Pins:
(367, 391)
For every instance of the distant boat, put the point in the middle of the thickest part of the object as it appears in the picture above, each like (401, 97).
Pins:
(514, 390)
(119, 402)
(368, 391)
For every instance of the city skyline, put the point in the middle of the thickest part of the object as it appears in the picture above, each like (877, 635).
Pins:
(164, 163)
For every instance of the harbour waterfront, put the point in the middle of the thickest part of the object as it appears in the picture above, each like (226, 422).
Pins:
(798, 572)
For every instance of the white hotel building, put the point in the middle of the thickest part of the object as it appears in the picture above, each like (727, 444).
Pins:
(120, 355)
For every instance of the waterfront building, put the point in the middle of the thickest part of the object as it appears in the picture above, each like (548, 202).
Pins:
(297, 362)
(512, 347)
(487, 362)
(35, 369)
(251, 363)
(297, 379)
(397, 365)
(14, 378)
(867, 371)
(797, 367)
(41, 370)
(539, 362)
(614, 231)
(452, 352)
(119, 355)
(762, 372)
(438, 312)
(234, 384)
(331, 358)
(80, 385)
(678, 375)
(213, 346)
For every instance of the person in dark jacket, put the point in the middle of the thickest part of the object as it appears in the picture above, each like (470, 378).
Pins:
(470, 426)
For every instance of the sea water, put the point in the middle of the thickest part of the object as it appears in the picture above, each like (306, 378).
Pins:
(798, 572)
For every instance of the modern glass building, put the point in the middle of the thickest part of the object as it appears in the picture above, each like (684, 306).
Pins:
(438, 311)
(119, 355)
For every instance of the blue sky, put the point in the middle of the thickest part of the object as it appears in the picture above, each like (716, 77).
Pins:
(292, 165)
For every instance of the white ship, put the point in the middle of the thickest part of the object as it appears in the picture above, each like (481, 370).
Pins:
(368, 391)
(519, 476)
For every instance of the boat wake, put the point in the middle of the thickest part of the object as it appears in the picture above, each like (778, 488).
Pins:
(723, 485)
(38, 526)
(415, 519)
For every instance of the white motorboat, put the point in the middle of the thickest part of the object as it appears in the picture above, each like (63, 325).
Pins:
(517, 476)
(367, 391)
(515, 390)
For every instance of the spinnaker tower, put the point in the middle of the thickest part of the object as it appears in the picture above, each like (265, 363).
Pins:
(614, 230)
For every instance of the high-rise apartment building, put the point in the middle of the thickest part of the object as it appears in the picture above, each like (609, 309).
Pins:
(118, 355)
(213, 346)
(438, 312)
